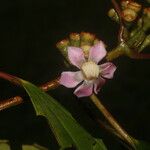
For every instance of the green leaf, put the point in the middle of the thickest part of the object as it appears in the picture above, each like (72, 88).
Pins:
(148, 1)
(141, 145)
(4, 145)
(65, 128)
(33, 147)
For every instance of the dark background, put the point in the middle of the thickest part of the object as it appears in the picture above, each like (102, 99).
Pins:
(29, 30)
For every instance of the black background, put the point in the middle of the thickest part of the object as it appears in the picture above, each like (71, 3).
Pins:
(29, 30)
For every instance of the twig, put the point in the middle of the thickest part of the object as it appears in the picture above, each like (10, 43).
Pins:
(9, 77)
(101, 123)
(50, 85)
(136, 55)
(121, 30)
(17, 99)
(10, 102)
(112, 121)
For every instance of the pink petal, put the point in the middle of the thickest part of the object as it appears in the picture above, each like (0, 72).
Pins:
(71, 79)
(97, 52)
(76, 56)
(98, 84)
(84, 90)
(107, 70)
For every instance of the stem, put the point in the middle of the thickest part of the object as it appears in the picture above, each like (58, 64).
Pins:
(10, 102)
(13, 101)
(102, 124)
(50, 85)
(115, 53)
(112, 120)
(136, 55)
(121, 30)
(10, 78)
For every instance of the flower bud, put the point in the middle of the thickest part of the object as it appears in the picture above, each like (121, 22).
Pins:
(86, 49)
(83, 40)
(74, 39)
(129, 15)
(113, 15)
(124, 3)
(87, 38)
(62, 46)
(134, 6)
(96, 41)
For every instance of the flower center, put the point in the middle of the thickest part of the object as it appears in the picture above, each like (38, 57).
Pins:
(90, 70)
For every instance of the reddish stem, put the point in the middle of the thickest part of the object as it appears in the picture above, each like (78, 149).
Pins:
(121, 30)
(50, 85)
(17, 99)
(10, 102)
(136, 55)
(10, 78)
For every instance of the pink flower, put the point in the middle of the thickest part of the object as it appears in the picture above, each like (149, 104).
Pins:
(91, 75)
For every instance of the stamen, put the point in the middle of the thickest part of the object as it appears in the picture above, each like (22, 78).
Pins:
(90, 70)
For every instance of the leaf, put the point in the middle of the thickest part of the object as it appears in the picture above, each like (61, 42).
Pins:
(141, 145)
(65, 128)
(148, 1)
(4, 145)
(33, 147)
(99, 143)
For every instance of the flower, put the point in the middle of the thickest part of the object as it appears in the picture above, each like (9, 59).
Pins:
(91, 75)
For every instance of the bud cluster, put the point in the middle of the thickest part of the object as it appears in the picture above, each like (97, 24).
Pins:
(136, 20)
(130, 10)
(83, 40)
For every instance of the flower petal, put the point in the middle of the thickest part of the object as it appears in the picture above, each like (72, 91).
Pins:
(107, 70)
(98, 84)
(71, 79)
(84, 90)
(76, 56)
(97, 52)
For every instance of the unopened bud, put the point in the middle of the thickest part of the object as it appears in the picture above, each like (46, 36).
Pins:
(129, 15)
(113, 15)
(124, 3)
(62, 46)
(86, 49)
(83, 40)
(96, 41)
(87, 38)
(74, 39)
(134, 6)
